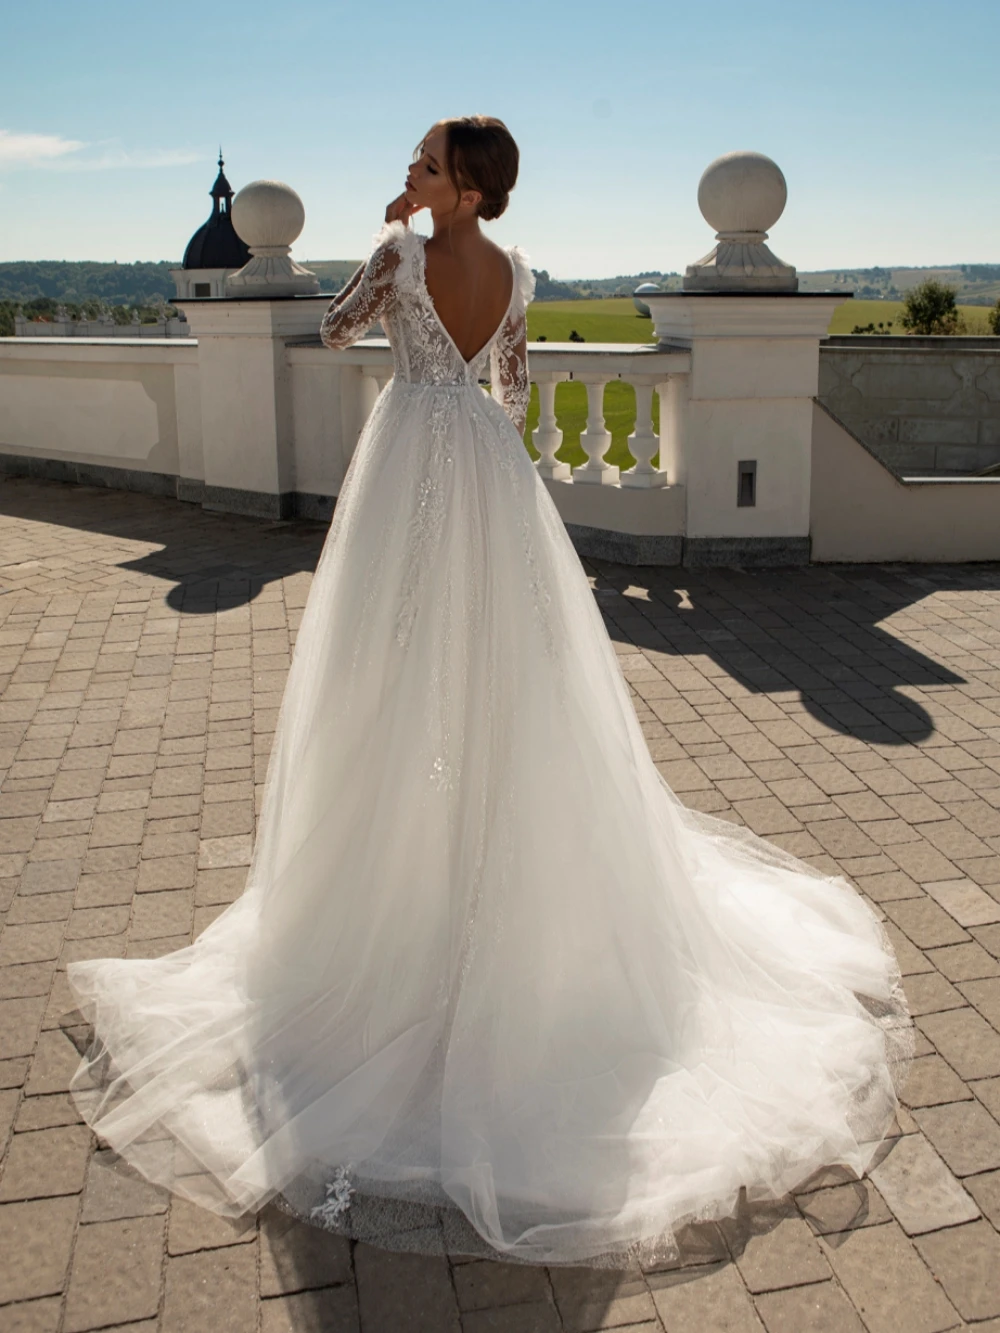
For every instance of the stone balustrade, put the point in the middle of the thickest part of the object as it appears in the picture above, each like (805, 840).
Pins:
(647, 369)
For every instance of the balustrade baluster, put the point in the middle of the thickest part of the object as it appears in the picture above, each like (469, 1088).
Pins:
(596, 439)
(548, 437)
(643, 443)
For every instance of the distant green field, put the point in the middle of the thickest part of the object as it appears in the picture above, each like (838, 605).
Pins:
(610, 321)
(617, 321)
(846, 316)
(613, 321)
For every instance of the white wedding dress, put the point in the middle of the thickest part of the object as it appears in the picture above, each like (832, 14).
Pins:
(490, 985)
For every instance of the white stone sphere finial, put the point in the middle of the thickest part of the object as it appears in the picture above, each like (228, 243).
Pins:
(741, 195)
(269, 216)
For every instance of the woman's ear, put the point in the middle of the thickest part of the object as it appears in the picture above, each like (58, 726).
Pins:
(472, 199)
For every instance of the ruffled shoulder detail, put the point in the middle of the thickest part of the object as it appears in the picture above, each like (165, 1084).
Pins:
(524, 277)
(404, 241)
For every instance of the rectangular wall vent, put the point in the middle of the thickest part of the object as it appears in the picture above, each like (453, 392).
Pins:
(746, 489)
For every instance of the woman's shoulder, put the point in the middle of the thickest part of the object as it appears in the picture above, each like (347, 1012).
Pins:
(394, 247)
(524, 278)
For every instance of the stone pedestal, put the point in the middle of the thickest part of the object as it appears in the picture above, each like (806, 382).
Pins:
(741, 422)
(246, 407)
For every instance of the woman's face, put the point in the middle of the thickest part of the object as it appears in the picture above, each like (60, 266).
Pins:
(428, 184)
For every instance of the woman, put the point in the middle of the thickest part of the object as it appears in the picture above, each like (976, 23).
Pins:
(490, 986)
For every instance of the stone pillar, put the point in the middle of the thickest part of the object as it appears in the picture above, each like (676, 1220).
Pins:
(246, 408)
(741, 437)
(245, 382)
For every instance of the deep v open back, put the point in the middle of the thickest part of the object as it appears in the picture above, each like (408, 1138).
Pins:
(485, 346)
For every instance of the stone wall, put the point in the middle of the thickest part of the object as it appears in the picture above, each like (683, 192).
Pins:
(921, 404)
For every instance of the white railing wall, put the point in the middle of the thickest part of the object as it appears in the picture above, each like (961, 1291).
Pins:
(644, 500)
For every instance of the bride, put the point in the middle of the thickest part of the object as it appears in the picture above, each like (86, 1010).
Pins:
(491, 987)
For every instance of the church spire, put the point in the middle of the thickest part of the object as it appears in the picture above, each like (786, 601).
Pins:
(221, 190)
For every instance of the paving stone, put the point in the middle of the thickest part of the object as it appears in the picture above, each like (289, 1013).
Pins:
(964, 1133)
(296, 1257)
(930, 993)
(212, 1290)
(193, 1228)
(962, 962)
(47, 1112)
(19, 1022)
(843, 1207)
(49, 876)
(329, 1310)
(590, 1299)
(919, 1188)
(37, 907)
(924, 922)
(887, 1281)
(708, 1298)
(888, 885)
(484, 1284)
(31, 944)
(985, 1189)
(966, 902)
(32, 1316)
(45, 1163)
(55, 1062)
(214, 887)
(112, 888)
(773, 1247)
(216, 853)
(984, 995)
(9, 1101)
(932, 1082)
(113, 1191)
(821, 1308)
(155, 915)
(166, 872)
(123, 828)
(966, 1041)
(922, 862)
(966, 1261)
(116, 1273)
(35, 1241)
(13, 1072)
(97, 922)
(538, 1318)
(409, 1291)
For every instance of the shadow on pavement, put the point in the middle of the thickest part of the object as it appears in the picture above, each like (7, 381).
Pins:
(817, 632)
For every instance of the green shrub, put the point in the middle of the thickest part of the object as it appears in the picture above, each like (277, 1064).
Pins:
(931, 308)
(993, 320)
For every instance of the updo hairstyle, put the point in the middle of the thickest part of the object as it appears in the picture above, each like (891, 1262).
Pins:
(481, 156)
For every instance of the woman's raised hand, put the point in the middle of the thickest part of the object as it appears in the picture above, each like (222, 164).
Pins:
(400, 210)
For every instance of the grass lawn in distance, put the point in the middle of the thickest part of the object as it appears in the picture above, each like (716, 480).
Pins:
(873, 312)
(615, 320)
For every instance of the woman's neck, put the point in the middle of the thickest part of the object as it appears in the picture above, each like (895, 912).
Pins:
(454, 232)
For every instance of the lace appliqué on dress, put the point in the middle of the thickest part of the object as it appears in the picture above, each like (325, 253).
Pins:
(511, 386)
(339, 1192)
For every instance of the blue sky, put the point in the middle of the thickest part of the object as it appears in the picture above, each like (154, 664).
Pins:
(883, 115)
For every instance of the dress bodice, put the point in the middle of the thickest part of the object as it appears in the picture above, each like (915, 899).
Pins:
(391, 286)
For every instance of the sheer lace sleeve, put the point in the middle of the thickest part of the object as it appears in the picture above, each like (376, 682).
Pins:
(509, 381)
(368, 294)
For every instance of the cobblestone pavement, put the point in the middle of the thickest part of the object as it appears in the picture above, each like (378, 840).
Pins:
(849, 714)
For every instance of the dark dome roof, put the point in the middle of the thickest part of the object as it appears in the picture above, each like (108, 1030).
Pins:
(215, 243)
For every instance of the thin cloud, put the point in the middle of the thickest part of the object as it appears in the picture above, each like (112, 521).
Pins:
(25, 150)
(118, 159)
(52, 152)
